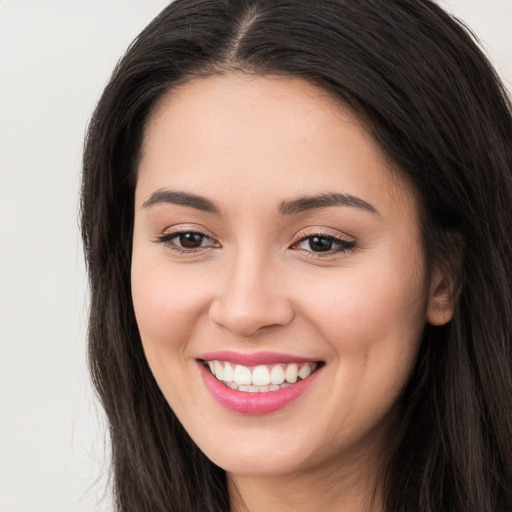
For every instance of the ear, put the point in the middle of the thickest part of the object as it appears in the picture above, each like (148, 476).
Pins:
(441, 303)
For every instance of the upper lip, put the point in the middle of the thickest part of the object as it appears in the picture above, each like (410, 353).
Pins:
(254, 358)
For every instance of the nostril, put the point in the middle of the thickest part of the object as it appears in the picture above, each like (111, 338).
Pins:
(246, 317)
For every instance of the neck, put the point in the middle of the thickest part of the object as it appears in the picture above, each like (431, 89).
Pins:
(330, 488)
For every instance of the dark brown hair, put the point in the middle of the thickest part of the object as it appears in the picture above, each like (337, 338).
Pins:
(430, 98)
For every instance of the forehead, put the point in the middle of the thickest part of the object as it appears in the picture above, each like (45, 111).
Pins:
(267, 136)
(264, 106)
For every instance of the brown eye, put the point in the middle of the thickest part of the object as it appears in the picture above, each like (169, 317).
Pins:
(324, 244)
(188, 241)
(191, 240)
(320, 244)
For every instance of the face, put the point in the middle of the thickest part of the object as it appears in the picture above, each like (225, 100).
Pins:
(275, 247)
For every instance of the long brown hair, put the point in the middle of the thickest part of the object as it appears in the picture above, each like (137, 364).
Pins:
(430, 98)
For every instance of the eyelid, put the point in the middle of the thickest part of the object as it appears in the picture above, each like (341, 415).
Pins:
(177, 229)
(325, 232)
(171, 232)
(344, 242)
(185, 227)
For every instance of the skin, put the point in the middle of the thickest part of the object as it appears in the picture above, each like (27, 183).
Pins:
(248, 144)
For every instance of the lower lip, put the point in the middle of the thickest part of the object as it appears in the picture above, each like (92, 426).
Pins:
(254, 403)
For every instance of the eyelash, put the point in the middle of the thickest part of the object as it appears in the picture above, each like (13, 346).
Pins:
(343, 245)
(167, 240)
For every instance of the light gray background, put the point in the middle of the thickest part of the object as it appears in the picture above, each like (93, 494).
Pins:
(55, 58)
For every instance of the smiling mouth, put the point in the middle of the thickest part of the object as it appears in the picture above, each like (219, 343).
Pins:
(261, 378)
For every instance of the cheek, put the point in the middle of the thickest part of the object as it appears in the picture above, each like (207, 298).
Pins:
(373, 321)
(369, 307)
(373, 326)
(167, 304)
(168, 310)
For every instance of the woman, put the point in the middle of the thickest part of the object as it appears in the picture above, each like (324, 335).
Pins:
(297, 227)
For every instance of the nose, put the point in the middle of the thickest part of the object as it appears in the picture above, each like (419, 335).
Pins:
(251, 298)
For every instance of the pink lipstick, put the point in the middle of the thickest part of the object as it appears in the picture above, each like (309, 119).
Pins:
(257, 383)
(253, 359)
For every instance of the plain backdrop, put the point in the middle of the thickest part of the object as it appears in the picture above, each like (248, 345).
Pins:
(55, 58)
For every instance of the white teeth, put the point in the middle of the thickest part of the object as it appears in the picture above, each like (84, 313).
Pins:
(291, 373)
(219, 371)
(242, 376)
(277, 374)
(262, 378)
(229, 373)
(304, 372)
(249, 389)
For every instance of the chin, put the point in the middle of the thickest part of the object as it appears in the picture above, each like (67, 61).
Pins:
(259, 461)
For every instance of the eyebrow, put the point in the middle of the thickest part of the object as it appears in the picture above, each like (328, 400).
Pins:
(306, 203)
(183, 199)
(298, 205)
